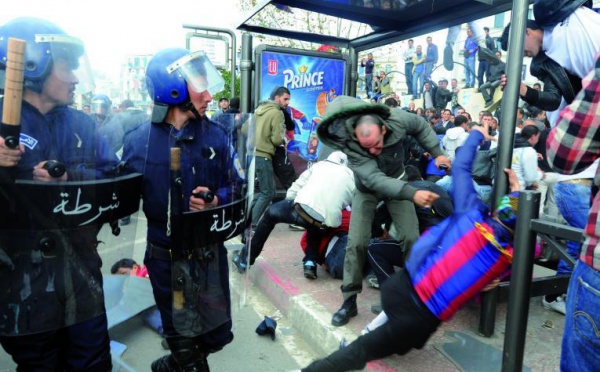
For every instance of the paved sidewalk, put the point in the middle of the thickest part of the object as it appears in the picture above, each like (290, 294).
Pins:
(309, 306)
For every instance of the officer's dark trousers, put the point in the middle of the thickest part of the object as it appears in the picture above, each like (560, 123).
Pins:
(83, 346)
(409, 326)
(159, 272)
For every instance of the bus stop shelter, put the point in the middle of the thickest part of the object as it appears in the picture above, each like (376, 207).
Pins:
(387, 21)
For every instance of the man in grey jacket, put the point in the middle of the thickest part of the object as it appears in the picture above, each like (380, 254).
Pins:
(373, 138)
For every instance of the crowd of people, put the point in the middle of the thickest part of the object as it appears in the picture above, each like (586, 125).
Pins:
(420, 62)
(408, 188)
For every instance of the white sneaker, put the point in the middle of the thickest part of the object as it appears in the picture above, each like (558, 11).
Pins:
(559, 305)
(365, 331)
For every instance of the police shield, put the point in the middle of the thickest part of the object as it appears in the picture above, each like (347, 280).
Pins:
(213, 169)
(61, 206)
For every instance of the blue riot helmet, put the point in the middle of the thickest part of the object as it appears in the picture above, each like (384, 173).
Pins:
(101, 105)
(169, 74)
(47, 46)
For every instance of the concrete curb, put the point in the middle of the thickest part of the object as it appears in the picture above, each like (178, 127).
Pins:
(308, 317)
(308, 307)
(305, 314)
(313, 321)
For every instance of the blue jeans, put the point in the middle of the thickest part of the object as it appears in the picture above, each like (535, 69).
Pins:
(581, 340)
(369, 83)
(484, 191)
(409, 77)
(483, 70)
(491, 85)
(428, 69)
(266, 182)
(470, 71)
(418, 83)
(573, 202)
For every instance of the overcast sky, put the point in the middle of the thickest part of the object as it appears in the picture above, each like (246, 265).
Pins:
(113, 29)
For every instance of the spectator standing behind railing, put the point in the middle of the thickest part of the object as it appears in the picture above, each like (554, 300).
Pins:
(369, 65)
(469, 50)
(418, 72)
(408, 65)
(484, 67)
(431, 57)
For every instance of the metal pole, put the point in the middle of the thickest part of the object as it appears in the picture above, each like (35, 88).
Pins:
(353, 67)
(510, 98)
(233, 52)
(520, 283)
(246, 67)
(487, 316)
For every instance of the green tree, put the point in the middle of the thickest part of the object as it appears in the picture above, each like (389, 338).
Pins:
(226, 92)
(301, 20)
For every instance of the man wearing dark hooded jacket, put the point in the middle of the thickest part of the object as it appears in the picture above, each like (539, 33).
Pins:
(562, 43)
(373, 138)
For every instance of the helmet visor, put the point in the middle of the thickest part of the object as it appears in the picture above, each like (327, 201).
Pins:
(199, 73)
(99, 107)
(68, 53)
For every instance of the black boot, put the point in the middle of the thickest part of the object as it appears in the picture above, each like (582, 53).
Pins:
(164, 364)
(187, 355)
(488, 55)
(347, 311)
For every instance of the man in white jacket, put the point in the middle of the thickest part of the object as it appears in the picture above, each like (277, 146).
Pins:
(314, 201)
(455, 137)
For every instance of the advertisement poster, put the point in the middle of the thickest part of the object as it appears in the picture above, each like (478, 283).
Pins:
(313, 82)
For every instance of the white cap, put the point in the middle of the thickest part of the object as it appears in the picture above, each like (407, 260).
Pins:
(338, 157)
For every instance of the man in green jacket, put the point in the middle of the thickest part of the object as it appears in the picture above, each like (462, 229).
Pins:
(269, 134)
(373, 137)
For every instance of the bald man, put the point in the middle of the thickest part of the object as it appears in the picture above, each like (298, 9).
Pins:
(376, 139)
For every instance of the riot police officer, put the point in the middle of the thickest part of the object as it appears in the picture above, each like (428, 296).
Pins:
(189, 280)
(52, 314)
(101, 110)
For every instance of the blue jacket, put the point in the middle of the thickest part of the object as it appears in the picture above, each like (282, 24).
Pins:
(65, 135)
(432, 53)
(205, 161)
(454, 260)
(471, 47)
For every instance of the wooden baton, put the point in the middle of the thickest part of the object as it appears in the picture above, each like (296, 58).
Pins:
(13, 92)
